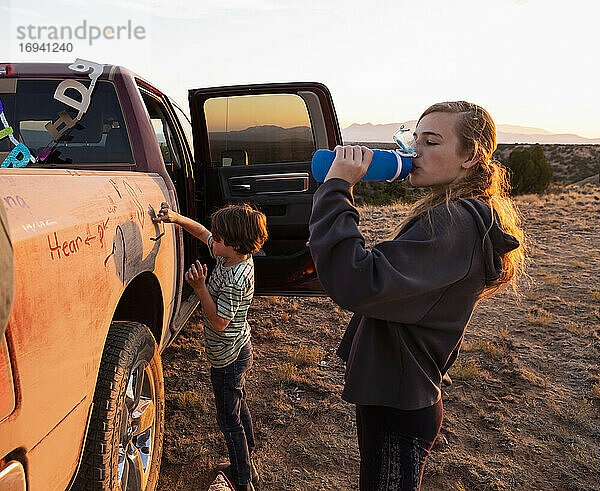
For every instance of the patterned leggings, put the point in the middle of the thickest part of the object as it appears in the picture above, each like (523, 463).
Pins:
(394, 445)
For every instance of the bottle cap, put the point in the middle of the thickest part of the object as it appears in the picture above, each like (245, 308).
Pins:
(406, 141)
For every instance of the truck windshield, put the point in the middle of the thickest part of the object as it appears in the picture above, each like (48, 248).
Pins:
(99, 138)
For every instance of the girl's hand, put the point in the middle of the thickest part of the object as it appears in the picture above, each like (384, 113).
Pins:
(165, 214)
(196, 275)
(351, 163)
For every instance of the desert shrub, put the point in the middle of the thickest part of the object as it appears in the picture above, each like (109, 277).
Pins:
(379, 193)
(287, 372)
(529, 170)
(539, 316)
(305, 356)
(466, 369)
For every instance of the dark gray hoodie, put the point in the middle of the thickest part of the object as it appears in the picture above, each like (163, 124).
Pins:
(412, 296)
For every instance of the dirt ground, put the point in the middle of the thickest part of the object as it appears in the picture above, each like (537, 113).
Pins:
(523, 411)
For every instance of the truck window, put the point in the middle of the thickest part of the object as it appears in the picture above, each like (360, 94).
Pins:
(165, 132)
(171, 145)
(258, 129)
(185, 124)
(99, 138)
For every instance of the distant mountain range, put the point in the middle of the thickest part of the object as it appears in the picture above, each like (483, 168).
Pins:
(265, 133)
(507, 133)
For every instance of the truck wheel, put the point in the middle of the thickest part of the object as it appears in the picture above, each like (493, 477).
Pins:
(124, 441)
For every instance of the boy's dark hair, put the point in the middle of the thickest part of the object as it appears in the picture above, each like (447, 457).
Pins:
(241, 227)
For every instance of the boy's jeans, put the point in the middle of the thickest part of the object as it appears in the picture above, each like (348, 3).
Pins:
(233, 415)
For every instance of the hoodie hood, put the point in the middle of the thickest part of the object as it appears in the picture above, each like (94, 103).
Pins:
(495, 241)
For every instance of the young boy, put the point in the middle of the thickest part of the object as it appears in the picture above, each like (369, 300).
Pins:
(237, 232)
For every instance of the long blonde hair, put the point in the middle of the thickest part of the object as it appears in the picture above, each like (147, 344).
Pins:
(487, 180)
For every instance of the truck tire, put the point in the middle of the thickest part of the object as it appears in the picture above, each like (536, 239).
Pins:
(124, 442)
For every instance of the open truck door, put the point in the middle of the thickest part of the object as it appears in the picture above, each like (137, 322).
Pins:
(254, 144)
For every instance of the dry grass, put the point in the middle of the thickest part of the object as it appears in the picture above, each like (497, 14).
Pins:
(552, 279)
(502, 333)
(287, 373)
(272, 300)
(579, 413)
(190, 399)
(539, 317)
(553, 442)
(529, 198)
(576, 327)
(595, 294)
(268, 333)
(459, 486)
(532, 377)
(596, 390)
(588, 458)
(488, 347)
(306, 356)
(532, 295)
(466, 370)
(571, 306)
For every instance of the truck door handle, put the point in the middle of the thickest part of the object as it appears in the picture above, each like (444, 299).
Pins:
(285, 182)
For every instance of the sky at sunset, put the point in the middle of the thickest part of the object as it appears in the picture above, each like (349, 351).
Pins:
(529, 62)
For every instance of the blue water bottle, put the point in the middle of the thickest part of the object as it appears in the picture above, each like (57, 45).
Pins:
(386, 165)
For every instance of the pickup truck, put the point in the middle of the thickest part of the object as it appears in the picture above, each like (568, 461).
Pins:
(88, 153)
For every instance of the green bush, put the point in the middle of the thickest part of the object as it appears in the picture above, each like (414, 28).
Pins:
(379, 193)
(529, 170)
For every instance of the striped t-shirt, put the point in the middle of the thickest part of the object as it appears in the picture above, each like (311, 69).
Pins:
(231, 288)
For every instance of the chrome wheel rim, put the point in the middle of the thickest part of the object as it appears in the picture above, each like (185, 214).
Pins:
(137, 429)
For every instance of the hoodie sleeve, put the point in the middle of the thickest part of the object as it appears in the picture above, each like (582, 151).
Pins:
(399, 280)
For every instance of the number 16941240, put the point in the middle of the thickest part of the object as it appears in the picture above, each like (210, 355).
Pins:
(46, 47)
